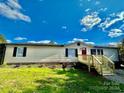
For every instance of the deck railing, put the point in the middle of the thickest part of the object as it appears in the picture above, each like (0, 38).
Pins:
(86, 59)
(109, 63)
(101, 63)
(97, 64)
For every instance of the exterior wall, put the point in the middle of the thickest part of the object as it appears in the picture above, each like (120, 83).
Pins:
(79, 48)
(37, 54)
(41, 54)
(112, 54)
(109, 52)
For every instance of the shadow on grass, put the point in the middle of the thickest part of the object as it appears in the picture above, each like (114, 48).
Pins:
(69, 81)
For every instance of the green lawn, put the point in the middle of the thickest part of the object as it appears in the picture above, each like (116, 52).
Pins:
(45, 80)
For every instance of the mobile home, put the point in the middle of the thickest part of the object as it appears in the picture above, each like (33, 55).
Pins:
(103, 59)
(49, 53)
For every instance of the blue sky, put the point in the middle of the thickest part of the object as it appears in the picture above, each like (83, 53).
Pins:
(99, 22)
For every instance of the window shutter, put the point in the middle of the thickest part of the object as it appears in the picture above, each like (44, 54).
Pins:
(14, 51)
(24, 52)
(66, 52)
(76, 53)
(102, 52)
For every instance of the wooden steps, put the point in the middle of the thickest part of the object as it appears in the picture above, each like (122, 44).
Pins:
(107, 72)
(102, 64)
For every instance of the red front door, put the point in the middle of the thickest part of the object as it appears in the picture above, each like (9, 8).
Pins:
(84, 51)
(84, 54)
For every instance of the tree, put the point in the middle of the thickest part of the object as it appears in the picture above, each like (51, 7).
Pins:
(121, 46)
(2, 39)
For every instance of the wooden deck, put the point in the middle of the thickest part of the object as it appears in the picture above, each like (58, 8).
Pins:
(102, 64)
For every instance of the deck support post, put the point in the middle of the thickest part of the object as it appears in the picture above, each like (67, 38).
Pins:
(89, 68)
(92, 60)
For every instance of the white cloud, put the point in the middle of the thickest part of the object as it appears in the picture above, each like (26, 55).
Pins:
(43, 42)
(103, 9)
(64, 27)
(97, 2)
(90, 43)
(121, 15)
(77, 40)
(87, 10)
(11, 9)
(108, 23)
(84, 29)
(122, 27)
(91, 20)
(113, 44)
(9, 41)
(20, 38)
(88, 0)
(115, 33)
(104, 24)
(14, 4)
(113, 14)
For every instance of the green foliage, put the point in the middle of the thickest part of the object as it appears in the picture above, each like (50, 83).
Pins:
(45, 80)
(121, 46)
(2, 39)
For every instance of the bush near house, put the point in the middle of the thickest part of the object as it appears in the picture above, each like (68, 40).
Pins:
(2, 39)
(45, 80)
(121, 47)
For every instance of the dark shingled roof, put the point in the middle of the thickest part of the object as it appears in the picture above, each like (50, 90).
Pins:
(57, 45)
(105, 47)
(34, 44)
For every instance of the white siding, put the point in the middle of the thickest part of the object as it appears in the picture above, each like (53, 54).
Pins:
(78, 47)
(52, 53)
(109, 52)
(37, 54)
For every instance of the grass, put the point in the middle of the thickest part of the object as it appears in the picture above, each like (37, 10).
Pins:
(45, 80)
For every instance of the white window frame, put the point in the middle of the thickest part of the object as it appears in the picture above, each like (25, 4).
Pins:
(96, 51)
(100, 51)
(71, 52)
(19, 52)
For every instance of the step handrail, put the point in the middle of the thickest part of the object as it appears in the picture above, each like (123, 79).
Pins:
(108, 59)
(97, 59)
(111, 62)
(98, 66)
(85, 59)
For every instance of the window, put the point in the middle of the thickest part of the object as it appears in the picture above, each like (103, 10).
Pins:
(93, 51)
(71, 52)
(78, 44)
(19, 52)
(101, 51)
(96, 51)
